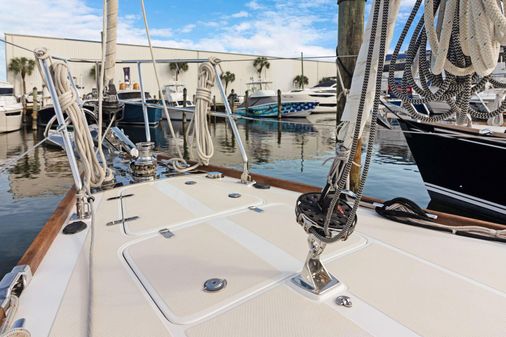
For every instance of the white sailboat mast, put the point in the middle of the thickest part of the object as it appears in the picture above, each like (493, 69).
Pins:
(111, 37)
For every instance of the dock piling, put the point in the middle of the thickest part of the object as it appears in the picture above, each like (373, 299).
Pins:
(246, 101)
(35, 108)
(279, 104)
(185, 93)
(350, 34)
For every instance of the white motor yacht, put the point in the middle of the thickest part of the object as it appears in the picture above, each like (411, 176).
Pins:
(173, 94)
(325, 93)
(10, 109)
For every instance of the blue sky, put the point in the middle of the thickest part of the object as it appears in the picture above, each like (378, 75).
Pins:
(267, 27)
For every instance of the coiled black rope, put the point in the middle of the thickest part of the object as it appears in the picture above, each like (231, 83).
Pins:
(454, 90)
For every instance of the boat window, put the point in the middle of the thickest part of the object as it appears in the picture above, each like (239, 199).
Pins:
(6, 91)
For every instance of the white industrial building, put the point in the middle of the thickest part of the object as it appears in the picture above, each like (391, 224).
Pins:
(281, 72)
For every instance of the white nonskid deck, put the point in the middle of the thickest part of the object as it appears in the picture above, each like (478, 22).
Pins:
(402, 280)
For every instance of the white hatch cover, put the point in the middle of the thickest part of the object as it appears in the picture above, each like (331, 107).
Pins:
(174, 270)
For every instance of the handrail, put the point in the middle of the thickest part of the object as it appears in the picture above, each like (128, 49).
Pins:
(245, 177)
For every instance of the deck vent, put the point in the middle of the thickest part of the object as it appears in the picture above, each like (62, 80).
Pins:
(261, 186)
(74, 227)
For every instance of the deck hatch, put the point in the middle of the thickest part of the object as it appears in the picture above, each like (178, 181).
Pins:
(173, 274)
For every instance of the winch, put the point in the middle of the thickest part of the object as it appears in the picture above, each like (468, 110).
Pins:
(144, 167)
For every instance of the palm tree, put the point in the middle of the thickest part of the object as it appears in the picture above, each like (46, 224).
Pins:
(260, 63)
(227, 77)
(300, 80)
(178, 67)
(22, 66)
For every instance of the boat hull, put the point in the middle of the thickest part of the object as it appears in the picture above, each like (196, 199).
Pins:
(10, 120)
(133, 113)
(461, 169)
(288, 109)
(45, 114)
(325, 109)
(177, 115)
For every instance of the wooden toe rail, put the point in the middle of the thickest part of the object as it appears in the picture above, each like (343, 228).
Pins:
(40, 245)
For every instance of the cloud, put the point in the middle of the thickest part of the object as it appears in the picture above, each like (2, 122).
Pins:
(300, 26)
(76, 19)
(161, 32)
(285, 28)
(188, 28)
(241, 14)
(243, 26)
(254, 5)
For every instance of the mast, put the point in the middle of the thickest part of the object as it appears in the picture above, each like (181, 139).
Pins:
(110, 43)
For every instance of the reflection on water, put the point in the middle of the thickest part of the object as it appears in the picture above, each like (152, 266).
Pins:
(29, 192)
(31, 189)
(296, 151)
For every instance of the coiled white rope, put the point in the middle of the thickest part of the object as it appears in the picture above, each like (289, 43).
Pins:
(95, 170)
(199, 128)
(481, 25)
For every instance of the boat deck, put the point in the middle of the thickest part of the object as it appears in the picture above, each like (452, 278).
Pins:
(402, 280)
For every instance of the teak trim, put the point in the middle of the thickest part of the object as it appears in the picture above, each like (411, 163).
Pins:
(38, 248)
